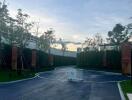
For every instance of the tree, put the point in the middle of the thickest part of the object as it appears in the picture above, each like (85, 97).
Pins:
(42, 43)
(3, 17)
(128, 32)
(20, 34)
(3, 23)
(117, 35)
(46, 39)
(93, 43)
(87, 43)
(12, 31)
(37, 28)
(98, 39)
(63, 46)
(39, 40)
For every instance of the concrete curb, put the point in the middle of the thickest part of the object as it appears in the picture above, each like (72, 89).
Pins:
(120, 91)
(3, 83)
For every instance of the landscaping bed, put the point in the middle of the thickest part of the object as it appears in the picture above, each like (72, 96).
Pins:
(10, 75)
(126, 88)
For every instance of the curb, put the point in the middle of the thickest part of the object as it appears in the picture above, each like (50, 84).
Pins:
(3, 83)
(36, 75)
(120, 91)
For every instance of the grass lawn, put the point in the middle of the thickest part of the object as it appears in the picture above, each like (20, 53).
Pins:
(126, 87)
(8, 75)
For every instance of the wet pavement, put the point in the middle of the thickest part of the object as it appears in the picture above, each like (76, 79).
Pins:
(66, 83)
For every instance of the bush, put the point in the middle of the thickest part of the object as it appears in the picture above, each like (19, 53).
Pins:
(113, 59)
(63, 60)
(90, 59)
(42, 59)
(94, 59)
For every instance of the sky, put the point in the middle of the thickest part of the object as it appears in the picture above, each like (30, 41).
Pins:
(74, 20)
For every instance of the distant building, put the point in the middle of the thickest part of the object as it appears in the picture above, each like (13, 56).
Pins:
(101, 47)
(32, 45)
(60, 52)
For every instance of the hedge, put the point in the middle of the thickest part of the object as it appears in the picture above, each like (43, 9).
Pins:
(42, 58)
(95, 59)
(90, 59)
(113, 59)
(5, 57)
(63, 61)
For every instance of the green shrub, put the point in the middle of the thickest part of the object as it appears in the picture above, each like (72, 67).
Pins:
(94, 59)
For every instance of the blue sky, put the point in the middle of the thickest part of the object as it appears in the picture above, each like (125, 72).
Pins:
(75, 19)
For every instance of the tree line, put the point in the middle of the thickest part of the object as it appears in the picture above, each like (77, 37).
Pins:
(118, 35)
(17, 31)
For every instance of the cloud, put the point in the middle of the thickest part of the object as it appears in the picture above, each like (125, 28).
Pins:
(76, 20)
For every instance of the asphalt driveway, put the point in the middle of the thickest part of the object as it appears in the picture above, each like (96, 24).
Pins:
(66, 83)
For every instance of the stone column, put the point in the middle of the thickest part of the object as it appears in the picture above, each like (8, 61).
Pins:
(126, 58)
(14, 57)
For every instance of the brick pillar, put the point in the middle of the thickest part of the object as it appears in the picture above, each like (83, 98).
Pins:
(51, 63)
(14, 57)
(126, 58)
(34, 57)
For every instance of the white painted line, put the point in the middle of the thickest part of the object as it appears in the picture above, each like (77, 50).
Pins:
(102, 82)
(42, 77)
(120, 91)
